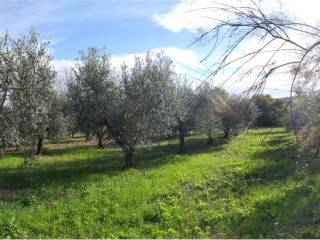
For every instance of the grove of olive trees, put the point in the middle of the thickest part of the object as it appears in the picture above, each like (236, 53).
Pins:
(131, 106)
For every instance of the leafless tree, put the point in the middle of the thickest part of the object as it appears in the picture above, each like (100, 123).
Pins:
(282, 44)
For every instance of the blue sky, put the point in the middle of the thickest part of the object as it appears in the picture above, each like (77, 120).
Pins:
(130, 27)
(122, 26)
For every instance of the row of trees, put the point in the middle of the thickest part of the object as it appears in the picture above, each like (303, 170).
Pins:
(131, 106)
(147, 100)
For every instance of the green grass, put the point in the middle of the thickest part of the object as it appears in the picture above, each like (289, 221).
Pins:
(250, 187)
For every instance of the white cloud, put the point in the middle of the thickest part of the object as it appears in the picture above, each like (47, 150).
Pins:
(193, 15)
(278, 85)
(184, 16)
(185, 61)
(62, 66)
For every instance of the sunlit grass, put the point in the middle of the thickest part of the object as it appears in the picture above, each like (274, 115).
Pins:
(249, 187)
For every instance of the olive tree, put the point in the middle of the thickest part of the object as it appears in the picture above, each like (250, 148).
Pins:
(88, 87)
(68, 114)
(139, 108)
(184, 100)
(7, 131)
(33, 77)
(309, 133)
(57, 123)
(306, 113)
(6, 69)
(206, 113)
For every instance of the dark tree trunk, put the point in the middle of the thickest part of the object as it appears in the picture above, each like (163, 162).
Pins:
(181, 137)
(1, 153)
(129, 154)
(210, 138)
(39, 146)
(100, 141)
(226, 133)
(87, 137)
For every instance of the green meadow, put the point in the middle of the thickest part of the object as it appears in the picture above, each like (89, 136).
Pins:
(248, 187)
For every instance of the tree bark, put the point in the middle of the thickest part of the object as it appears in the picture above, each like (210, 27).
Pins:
(129, 154)
(100, 141)
(210, 138)
(39, 146)
(181, 137)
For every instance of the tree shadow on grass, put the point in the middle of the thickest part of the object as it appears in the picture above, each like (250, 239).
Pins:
(291, 210)
(69, 149)
(66, 172)
(77, 169)
(279, 157)
(159, 155)
(291, 213)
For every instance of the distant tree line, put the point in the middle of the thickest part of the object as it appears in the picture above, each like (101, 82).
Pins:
(271, 111)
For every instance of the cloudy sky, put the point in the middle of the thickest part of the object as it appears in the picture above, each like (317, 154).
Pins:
(129, 27)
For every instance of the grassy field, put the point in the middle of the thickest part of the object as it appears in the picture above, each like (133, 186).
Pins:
(249, 187)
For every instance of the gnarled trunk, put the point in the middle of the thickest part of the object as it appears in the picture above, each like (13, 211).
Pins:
(39, 146)
(100, 141)
(181, 137)
(129, 154)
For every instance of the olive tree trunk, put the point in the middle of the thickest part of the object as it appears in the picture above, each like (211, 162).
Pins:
(129, 155)
(226, 132)
(100, 141)
(39, 146)
(181, 137)
(210, 138)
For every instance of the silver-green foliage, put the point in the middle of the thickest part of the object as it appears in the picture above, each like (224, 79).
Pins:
(183, 109)
(88, 89)
(140, 106)
(8, 134)
(207, 116)
(184, 100)
(132, 106)
(32, 93)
